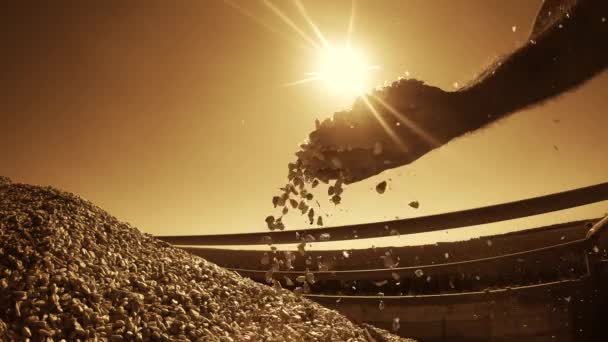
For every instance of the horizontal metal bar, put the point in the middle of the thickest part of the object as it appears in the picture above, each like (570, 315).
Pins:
(549, 289)
(210, 252)
(598, 228)
(387, 273)
(451, 220)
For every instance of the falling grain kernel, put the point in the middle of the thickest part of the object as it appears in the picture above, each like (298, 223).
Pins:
(381, 187)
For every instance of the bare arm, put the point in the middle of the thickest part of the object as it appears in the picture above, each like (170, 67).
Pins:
(563, 52)
(409, 119)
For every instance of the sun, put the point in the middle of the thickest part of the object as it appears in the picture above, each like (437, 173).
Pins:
(341, 67)
(343, 70)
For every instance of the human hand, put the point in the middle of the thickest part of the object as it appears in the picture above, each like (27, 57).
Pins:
(386, 129)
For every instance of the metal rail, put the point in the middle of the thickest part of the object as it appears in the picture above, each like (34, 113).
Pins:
(579, 245)
(235, 256)
(387, 273)
(532, 291)
(451, 220)
(597, 228)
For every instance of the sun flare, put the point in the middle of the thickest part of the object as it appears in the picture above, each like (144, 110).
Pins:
(343, 70)
(341, 67)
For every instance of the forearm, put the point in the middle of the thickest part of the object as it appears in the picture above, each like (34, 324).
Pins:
(398, 124)
(571, 52)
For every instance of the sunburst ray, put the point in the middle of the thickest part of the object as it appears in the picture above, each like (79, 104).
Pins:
(290, 23)
(351, 23)
(311, 23)
(385, 126)
(265, 25)
(409, 123)
(302, 81)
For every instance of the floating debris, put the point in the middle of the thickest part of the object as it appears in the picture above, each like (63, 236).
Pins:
(381, 283)
(276, 265)
(302, 248)
(381, 305)
(323, 267)
(338, 191)
(311, 215)
(306, 288)
(419, 273)
(310, 277)
(265, 259)
(414, 204)
(273, 223)
(270, 222)
(324, 236)
(303, 207)
(396, 324)
(268, 277)
(388, 260)
(381, 187)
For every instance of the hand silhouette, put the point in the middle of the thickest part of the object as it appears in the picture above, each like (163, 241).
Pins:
(383, 130)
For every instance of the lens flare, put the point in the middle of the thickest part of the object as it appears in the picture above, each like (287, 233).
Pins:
(343, 70)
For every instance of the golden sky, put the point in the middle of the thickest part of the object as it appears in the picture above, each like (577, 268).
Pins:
(174, 115)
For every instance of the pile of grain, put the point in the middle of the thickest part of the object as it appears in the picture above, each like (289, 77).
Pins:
(69, 270)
